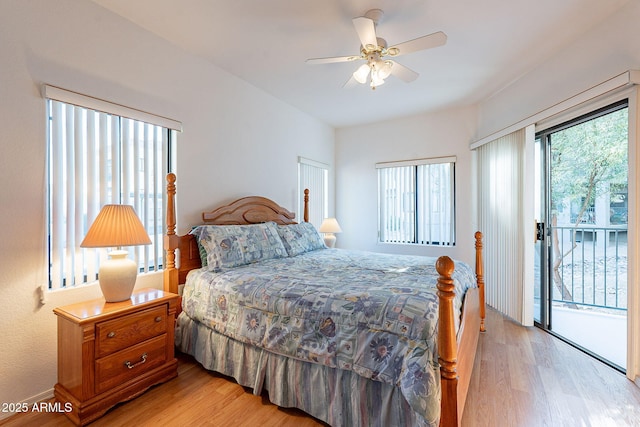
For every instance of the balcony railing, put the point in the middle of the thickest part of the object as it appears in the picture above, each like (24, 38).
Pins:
(593, 267)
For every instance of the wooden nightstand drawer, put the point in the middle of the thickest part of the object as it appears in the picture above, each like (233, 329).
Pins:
(124, 332)
(112, 352)
(124, 365)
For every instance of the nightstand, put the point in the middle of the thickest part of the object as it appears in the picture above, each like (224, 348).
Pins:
(112, 352)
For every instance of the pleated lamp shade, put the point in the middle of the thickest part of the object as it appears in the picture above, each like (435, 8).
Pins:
(116, 226)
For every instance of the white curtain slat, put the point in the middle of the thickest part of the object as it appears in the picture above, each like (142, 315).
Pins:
(159, 201)
(134, 192)
(398, 186)
(145, 215)
(426, 231)
(79, 201)
(105, 151)
(501, 184)
(69, 196)
(144, 205)
(386, 207)
(57, 193)
(116, 170)
(155, 222)
(408, 205)
(314, 176)
(128, 170)
(93, 192)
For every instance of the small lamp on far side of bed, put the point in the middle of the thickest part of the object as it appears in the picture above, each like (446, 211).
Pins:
(329, 227)
(116, 226)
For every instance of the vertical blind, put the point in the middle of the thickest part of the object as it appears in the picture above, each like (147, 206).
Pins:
(397, 189)
(417, 202)
(95, 159)
(500, 189)
(436, 201)
(314, 176)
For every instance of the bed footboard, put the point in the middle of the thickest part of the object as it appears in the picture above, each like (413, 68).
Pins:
(456, 366)
(447, 343)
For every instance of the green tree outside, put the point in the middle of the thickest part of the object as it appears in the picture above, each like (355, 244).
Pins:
(588, 159)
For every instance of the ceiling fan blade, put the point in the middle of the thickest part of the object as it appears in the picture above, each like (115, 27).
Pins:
(403, 73)
(331, 60)
(366, 30)
(421, 43)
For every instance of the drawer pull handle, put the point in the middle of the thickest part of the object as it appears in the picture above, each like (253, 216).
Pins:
(111, 334)
(158, 318)
(133, 365)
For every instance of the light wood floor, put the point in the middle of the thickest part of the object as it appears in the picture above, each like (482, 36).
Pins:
(522, 377)
(526, 377)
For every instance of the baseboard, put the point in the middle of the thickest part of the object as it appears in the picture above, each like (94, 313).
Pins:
(28, 403)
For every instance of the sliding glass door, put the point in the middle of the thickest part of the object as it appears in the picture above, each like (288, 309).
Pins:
(582, 245)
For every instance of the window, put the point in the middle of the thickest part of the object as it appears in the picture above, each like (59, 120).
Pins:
(416, 202)
(314, 176)
(97, 158)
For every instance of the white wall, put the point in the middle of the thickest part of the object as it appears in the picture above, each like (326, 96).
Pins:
(358, 149)
(237, 141)
(604, 52)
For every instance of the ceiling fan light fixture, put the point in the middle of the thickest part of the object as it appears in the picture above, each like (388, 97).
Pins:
(383, 69)
(361, 73)
(376, 80)
(393, 51)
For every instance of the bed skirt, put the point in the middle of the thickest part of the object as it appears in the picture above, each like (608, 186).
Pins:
(335, 396)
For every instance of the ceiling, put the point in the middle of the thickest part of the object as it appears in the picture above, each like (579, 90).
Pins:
(491, 43)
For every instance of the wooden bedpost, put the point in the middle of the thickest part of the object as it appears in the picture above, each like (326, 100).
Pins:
(480, 278)
(171, 239)
(306, 205)
(447, 342)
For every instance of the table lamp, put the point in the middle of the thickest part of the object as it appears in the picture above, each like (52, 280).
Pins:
(116, 226)
(329, 227)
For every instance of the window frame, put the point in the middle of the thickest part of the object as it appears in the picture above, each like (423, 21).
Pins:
(416, 231)
(316, 215)
(158, 131)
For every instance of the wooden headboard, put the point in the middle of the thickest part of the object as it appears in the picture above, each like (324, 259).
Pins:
(247, 210)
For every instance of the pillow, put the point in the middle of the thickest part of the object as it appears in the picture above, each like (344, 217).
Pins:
(233, 245)
(300, 238)
(201, 250)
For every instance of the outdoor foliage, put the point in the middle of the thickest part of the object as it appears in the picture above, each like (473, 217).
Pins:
(586, 156)
(588, 159)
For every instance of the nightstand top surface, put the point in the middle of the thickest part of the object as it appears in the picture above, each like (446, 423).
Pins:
(99, 307)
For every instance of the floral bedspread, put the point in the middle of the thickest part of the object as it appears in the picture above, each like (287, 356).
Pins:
(374, 314)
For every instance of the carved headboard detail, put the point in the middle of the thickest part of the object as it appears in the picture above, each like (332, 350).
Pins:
(249, 210)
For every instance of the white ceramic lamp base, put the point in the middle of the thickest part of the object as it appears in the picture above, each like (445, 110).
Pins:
(117, 276)
(330, 240)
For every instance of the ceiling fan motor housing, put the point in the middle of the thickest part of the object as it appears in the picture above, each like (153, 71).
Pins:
(375, 15)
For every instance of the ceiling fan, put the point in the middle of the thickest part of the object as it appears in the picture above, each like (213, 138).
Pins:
(375, 52)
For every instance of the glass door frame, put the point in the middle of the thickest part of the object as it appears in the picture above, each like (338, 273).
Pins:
(543, 317)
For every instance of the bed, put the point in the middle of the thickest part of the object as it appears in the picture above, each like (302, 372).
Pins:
(385, 340)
